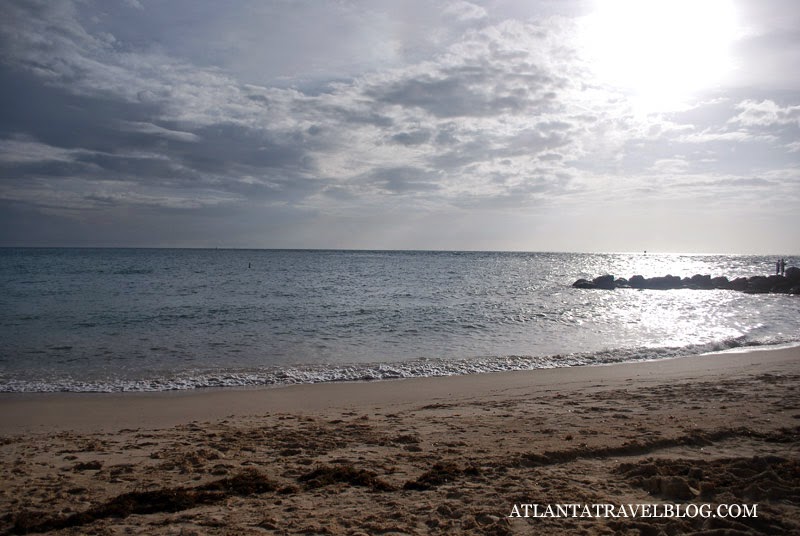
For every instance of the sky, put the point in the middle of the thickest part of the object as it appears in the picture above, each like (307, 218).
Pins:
(526, 125)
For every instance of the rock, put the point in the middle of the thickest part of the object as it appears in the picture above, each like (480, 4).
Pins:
(758, 284)
(720, 282)
(604, 281)
(780, 284)
(655, 283)
(740, 283)
(777, 283)
(702, 281)
(663, 283)
(754, 285)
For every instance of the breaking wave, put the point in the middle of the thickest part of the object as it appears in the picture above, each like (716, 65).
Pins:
(363, 372)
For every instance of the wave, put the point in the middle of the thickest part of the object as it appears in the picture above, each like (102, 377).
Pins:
(133, 271)
(362, 372)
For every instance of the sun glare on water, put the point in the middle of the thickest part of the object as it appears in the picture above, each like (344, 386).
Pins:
(659, 51)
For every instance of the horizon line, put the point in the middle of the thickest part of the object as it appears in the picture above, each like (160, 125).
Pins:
(398, 250)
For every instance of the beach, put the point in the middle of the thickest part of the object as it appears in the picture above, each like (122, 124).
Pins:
(460, 454)
(399, 268)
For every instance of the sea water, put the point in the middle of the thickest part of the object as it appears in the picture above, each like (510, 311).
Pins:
(161, 319)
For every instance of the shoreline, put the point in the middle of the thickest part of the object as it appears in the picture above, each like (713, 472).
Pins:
(48, 412)
(440, 455)
(366, 372)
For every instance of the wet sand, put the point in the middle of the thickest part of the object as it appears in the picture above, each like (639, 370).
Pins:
(436, 455)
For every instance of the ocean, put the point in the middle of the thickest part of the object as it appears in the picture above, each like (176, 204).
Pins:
(105, 320)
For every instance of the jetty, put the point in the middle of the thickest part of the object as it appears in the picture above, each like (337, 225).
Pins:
(757, 284)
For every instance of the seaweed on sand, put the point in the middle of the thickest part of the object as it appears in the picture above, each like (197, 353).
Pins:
(327, 475)
(440, 473)
(150, 502)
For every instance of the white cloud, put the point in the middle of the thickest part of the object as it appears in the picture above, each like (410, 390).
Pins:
(465, 11)
(671, 165)
(766, 113)
(738, 136)
(150, 128)
(22, 150)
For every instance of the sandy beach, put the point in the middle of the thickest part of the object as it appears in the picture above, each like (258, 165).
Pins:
(456, 455)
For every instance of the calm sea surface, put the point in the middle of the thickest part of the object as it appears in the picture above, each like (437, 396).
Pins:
(158, 319)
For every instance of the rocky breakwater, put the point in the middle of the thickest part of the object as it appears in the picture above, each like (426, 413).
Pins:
(757, 284)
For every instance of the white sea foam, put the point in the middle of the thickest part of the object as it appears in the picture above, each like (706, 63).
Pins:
(362, 372)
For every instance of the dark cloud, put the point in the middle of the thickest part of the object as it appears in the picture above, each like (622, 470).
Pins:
(355, 115)
(227, 145)
(456, 96)
(403, 180)
(56, 116)
(415, 137)
(109, 139)
(464, 152)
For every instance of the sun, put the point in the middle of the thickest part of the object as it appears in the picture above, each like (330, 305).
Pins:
(659, 51)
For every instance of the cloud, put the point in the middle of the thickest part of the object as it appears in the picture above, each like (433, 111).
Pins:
(25, 150)
(465, 11)
(766, 113)
(416, 137)
(734, 136)
(150, 128)
(671, 165)
(353, 108)
(457, 93)
(403, 180)
(768, 49)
